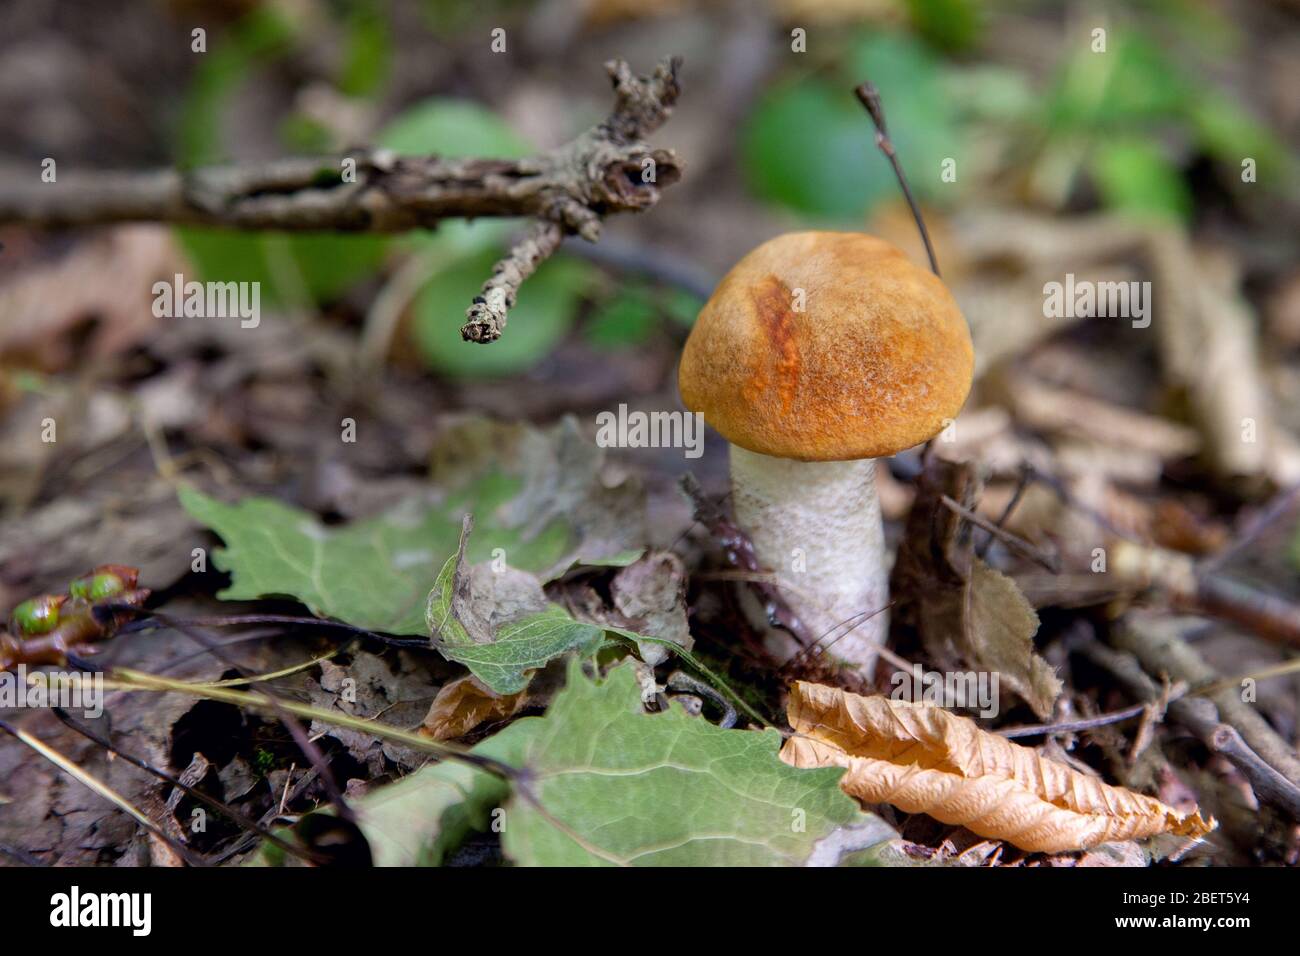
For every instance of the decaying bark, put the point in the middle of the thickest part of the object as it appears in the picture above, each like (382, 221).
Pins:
(570, 189)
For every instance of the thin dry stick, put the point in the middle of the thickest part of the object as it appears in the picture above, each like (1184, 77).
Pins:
(1281, 503)
(290, 722)
(1018, 544)
(1022, 483)
(1071, 726)
(870, 98)
(1201, 717)
(520, 780)
(850, 623)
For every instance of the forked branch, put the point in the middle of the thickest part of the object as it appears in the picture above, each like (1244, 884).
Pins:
(608, 169)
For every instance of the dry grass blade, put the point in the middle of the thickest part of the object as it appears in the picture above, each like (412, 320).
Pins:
(923, 759)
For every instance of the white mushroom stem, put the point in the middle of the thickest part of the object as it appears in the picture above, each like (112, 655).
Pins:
(816, 526)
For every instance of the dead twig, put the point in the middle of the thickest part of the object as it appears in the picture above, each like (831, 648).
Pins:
(1018, 544)
(487, 314)
(571, 189)
(1202, 718)
(1205, 590)
(869, 96)
(1073, 726)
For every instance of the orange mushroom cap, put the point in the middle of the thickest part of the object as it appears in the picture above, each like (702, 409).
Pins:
(827, 346)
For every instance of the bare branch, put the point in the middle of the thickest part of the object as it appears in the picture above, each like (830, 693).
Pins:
(487, 314)
(608, 169)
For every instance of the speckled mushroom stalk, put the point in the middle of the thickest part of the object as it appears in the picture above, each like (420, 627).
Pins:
(823, 516)
(818, 353)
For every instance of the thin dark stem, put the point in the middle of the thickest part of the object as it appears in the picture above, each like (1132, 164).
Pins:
(1018, 544)
(1026, 475)
(1070, 726)
(305, 743)
(854, 621)
(869, 96)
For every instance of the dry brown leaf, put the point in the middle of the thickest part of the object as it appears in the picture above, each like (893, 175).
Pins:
(923, 759)
(969, 615)
(466, 703)
(108, 278)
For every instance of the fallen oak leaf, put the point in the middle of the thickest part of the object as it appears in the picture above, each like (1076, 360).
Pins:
(924, 759)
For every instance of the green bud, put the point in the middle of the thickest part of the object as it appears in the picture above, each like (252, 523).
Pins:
(96, 587)
(38, 615)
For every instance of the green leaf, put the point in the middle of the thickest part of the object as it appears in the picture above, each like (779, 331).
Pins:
(664, 789)
(541, 318)
(807, 149)
(952, 25)
(369, 51)
(453, 128)
(1228, 132)
(1130, 86)
(504, 656)
(538, 495)
(809, 145)
(1134, 176)
(372, 574)
(625, 319)
(290, 268)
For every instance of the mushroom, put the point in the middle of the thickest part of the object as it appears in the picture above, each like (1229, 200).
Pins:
(818, 353)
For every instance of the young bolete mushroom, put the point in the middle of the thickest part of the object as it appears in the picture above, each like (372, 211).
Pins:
(818, 353)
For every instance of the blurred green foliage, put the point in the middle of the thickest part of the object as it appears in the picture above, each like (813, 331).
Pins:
(1128, 118)
(951, 25)
(318, 268)
(1127, 110)
(1125, 122)
(260, 38)
(631, 315)
(810, 145)
(369, 50)
(540, 319)
(1135, 175)
(626, 319)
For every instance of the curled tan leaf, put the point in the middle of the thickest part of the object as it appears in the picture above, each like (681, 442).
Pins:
(923, 759)
(466, 703)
